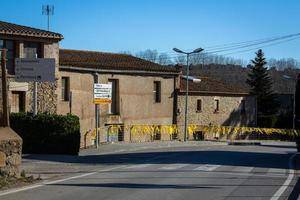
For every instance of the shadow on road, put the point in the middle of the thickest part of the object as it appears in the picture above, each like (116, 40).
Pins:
(139, 186)
(296, 190)
(231, 158)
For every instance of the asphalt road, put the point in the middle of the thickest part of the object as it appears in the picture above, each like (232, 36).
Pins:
(202, 172)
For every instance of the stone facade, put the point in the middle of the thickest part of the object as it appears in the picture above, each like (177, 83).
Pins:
(229, 114)
(10, 152)
(136, 102)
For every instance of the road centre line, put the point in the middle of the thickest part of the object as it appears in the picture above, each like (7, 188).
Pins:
(56, 181)
(207, 167)
(173, 166)
(289, 179)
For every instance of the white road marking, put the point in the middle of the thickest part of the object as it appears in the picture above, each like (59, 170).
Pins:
(138, 166)
(243, 169)
(287, 182)
(208, 168)
(54, 182)
(276, 171)
(173, 166)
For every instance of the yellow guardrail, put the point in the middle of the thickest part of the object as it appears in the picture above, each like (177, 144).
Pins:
(150, 130)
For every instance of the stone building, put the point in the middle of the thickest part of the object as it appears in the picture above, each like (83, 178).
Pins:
(27, 42)
(212, 102)
(142, 90)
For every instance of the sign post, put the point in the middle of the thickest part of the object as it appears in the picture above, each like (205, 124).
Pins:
(102, 95)
(35, 70)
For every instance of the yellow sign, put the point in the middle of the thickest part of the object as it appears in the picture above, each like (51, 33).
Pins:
(102, 101)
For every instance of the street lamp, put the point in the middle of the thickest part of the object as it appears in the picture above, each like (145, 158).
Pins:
(198, 50)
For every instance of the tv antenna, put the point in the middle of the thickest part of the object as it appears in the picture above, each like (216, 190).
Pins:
(48, 10)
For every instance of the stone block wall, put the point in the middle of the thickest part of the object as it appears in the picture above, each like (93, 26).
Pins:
(10, 152)
(229, 113)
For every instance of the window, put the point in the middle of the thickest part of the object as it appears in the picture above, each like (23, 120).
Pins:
(32, 50)
(10, 55)
(199, 105)
(216, 105)
(157, 91)
(243, 107)
(114, 106)
(18, 101)
(65, 88)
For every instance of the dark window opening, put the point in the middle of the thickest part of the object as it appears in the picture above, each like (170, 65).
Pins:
(114, 106)
(216, 105)
(243, 107)
(199, 105)
(65, 88)
(157, 91)
(10, 55)
(32, 50)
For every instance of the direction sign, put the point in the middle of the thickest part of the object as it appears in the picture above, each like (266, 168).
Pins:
(102, 93)
(35, 69)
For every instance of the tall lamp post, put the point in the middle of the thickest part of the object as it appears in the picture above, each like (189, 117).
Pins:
(198, 50)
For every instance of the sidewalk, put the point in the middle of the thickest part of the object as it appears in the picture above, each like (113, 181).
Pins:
(111, 148)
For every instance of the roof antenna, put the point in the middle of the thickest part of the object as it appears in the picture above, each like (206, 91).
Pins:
(48, 10)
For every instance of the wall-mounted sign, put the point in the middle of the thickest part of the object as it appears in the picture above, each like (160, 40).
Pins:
(35, 69)
(102, 93)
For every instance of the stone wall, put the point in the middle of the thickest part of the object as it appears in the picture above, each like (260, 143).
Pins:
(47, 92)
(10, 152)
(229, 113)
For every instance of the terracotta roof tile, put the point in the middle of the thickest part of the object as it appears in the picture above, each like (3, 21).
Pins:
(208, 85)
(18, 30)
(102, 60)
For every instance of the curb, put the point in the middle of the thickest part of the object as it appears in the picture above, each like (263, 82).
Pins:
(244, 143)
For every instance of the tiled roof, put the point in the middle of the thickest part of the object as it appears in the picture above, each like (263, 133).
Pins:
(113, 61)
(18, 30)
(208, 85)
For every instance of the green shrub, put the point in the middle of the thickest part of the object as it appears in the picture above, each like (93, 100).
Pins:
(47, 133)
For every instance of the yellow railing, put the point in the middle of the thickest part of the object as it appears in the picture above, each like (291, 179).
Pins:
(139, 132)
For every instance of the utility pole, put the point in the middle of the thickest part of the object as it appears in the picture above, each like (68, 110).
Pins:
(4, 89)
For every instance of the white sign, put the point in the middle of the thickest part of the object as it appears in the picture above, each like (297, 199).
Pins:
(35, 69)
(102, 93)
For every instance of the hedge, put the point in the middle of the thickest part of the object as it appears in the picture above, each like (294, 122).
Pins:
(47, 133)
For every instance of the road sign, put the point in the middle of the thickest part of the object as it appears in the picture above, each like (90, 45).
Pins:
(35, 69)
(102, 93)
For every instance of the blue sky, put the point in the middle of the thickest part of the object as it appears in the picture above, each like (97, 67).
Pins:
(134, 25)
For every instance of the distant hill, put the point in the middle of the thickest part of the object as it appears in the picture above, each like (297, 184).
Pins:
(284, 82)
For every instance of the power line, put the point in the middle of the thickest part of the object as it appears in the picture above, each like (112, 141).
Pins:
(231, 46)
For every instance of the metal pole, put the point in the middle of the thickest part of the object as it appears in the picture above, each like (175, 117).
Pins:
(97, 125)
(186, 98)
(35, 95)
(48, 22)
(294, 113)
(97, 117)
(4, 89)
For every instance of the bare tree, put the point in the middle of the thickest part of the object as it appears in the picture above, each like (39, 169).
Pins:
(150, 55)
(180, 59)
(164, 59)
(125, 52)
